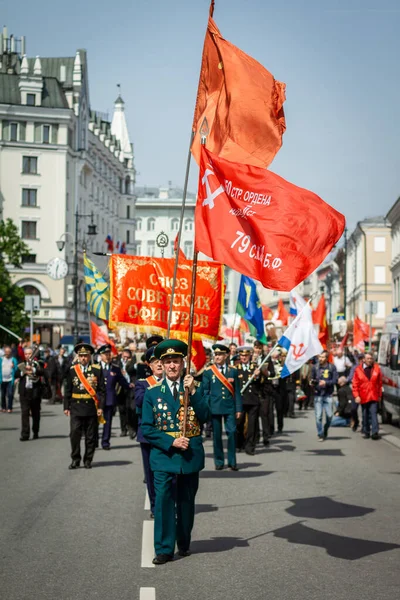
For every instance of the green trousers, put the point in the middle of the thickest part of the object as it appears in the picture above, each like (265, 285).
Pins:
(230, 428)
(174, 511)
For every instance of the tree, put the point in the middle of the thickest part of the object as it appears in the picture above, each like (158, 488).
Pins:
(12, 248)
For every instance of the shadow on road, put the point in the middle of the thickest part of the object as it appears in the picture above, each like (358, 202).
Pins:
(326, 452)
(112, 463)
(206, 508)
(323, 507)
(53, 437)
(218, 544)
(233, 474)
(338, 546)
(8, 428)
(280, 448)
(123, 447)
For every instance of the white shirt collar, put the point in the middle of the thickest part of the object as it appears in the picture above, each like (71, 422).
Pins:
(171, 383)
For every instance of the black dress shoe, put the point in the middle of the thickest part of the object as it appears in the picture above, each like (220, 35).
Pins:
(366, 436)
(106, 448)
(184, 553)
(132, 435)
(74, 465)
(161, 559)
(233, 467)
(266, 442)
(375, 436)
(88, 464)
(219, 467)
(250, 452)
(35, 436)
(123, 434)
(151, 515)
(24, 439)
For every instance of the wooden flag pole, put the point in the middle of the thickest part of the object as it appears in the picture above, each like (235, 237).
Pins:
(190, 339)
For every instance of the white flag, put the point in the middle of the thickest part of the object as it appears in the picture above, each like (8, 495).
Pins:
(296, 303)
(300, 341)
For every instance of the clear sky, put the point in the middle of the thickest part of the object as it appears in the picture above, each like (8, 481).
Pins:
(338, 58)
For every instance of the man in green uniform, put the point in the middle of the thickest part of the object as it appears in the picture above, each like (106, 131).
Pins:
(84, 396)
(222, 391)
(175, 459)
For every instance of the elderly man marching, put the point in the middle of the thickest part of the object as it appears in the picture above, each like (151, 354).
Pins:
(175, 459)
(221, 389)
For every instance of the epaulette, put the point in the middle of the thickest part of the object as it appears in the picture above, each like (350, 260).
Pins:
(233, 367)
(155, 385)
(141, 379)
(208, 368)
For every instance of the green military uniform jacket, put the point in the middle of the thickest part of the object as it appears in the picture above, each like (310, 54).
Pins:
(219, 398)
(162, 420)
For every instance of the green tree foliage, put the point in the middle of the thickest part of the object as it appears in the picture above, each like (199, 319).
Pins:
(12, 248)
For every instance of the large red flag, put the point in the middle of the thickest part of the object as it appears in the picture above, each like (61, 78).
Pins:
(242, 102)
(319, 318)
(261, 225)
(99, 337)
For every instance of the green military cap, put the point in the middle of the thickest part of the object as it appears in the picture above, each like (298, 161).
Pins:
(82, 349)
(220, 349)
(171, 348)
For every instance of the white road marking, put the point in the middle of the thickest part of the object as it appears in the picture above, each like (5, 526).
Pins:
(148, 544)
(147, 594)
(147, 502)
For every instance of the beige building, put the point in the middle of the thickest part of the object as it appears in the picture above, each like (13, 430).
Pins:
(393, 217)
(368, 274)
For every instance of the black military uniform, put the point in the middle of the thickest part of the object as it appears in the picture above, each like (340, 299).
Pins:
(82, 407)
(30, 396)
(267, 398)
(246, 440)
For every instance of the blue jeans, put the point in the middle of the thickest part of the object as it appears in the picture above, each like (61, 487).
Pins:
(321, 403)
(340, 422)
(370, 417)
(7, 395)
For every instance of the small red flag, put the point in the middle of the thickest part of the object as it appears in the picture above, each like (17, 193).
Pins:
(319, 318)
(182, 255)
(281, 313)
(261, 225)
(99, 337)
(361, 333)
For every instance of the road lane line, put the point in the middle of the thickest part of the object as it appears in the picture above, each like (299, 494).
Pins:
(147, 502)
(147, 544)
(147, 594)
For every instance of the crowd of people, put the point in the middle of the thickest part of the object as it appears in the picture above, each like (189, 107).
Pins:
(239, 388)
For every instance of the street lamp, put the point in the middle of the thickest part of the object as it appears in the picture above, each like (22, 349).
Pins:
(60, 245)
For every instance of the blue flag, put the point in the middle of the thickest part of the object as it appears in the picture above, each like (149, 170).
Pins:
(249, 308)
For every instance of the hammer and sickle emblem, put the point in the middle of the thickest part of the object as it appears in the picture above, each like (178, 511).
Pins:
(298, 353)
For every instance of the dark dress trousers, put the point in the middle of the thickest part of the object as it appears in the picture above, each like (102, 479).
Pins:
(113, 382)
(251, 408)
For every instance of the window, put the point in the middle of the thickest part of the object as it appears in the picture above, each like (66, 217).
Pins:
(46, 134)
(138, 224)
(29, 165)
(379, 244)
(188, 225)
(29, 197)
(138, 249)
(28, 230)
(128, 236)
(151, 224)
(151, 248)
(381, 310)
(128, 212)
(30, 290)
(29, 258)
(379, 275)
(31, 99)
(13, 132)
(175, 224)
(188, 249)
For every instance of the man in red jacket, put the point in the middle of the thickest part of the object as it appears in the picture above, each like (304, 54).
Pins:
(367, 391)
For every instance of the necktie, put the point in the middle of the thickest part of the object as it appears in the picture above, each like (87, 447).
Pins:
(175, 390)
(222, 370)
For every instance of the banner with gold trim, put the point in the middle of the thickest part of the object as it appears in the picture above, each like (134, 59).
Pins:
(140, 294)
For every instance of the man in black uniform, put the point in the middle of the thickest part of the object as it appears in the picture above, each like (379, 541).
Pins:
(126, 402)
(84, 396)
(29, 374)
(247, 436)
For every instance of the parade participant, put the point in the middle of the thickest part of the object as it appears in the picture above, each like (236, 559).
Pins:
(29, 374)
(221, 390)
(268, 393)
(156, 367)
(84, 395)
(251, 402)
(126, 402)
(343, 412)
(113, 382)
(8, 368)
(367, 391)
(232, 352)
(175, 459)
(323, 380)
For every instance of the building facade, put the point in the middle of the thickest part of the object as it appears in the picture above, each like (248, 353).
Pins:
(393, 217)
(368, 274)
(60, 159)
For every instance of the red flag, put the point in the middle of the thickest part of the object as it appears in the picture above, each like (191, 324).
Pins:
(267, 313)
(181, 252)
(281, 313)
(242, 102)
(343, 342)
(99, 337)
(199, 357)
(361, 333)
(319, 318)
(261, 225)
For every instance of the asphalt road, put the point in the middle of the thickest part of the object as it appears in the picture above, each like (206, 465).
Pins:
(300, 521)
